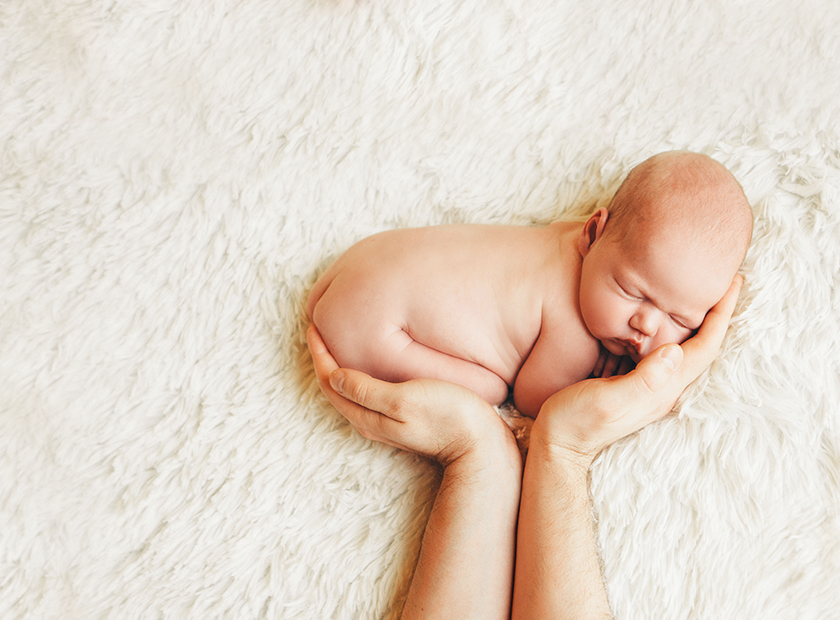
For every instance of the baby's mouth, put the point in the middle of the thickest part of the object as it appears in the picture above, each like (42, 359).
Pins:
(621, 347)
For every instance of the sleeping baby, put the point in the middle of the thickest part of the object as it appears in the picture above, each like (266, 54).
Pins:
(537, 309)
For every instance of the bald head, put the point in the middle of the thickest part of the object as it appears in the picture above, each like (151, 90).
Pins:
(686, 197)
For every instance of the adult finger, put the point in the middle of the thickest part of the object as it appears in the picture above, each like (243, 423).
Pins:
(364, 390)
(702, 349)
(325, 365)
(653, 373)
(638, 398)
(322, 359)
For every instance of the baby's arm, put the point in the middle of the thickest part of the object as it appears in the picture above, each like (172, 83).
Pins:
(557, 360)
(398, 357)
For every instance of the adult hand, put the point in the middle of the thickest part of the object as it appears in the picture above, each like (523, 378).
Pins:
(586, 417)
(465, 567)
(557, 570)
(436, 419)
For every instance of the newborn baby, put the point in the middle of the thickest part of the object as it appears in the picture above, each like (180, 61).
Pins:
(494, 307)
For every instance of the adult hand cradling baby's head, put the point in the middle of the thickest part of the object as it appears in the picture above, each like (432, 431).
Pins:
(584, 418)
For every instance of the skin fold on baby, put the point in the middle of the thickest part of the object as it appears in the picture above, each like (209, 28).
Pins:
(538, 308)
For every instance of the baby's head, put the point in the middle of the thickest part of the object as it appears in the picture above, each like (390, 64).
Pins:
(663, 253)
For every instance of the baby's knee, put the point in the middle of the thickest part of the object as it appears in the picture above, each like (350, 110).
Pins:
(325, 314)
(317, 293)
(353, 340)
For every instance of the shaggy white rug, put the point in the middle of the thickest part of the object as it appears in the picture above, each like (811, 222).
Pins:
(174, 176)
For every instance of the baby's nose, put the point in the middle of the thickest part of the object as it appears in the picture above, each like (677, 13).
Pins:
(646, 321)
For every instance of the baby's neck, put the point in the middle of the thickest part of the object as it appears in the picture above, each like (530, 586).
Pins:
(567, 234)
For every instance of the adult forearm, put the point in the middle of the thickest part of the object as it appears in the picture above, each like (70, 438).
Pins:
(466, 560)
(558, 574)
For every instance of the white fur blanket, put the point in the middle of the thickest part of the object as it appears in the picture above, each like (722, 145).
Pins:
(174, 175)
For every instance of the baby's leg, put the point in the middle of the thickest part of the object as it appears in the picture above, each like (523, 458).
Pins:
(360, 338)
(405, 358)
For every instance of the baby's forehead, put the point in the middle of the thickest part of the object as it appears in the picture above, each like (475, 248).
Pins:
(700, 229)
(693, 272)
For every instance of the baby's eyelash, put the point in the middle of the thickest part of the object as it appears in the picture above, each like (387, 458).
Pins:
(680, 323)
(629, 295)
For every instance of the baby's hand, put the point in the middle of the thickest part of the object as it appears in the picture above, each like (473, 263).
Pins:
(610, 365)
(436, 419)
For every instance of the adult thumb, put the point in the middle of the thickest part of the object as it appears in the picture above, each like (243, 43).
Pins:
(654, 371)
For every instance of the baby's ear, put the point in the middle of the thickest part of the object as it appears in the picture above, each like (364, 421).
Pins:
(593, 229)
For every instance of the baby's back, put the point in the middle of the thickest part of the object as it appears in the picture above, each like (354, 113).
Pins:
(459, 302)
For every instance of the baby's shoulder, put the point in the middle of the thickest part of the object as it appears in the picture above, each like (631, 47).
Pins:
(563, 328)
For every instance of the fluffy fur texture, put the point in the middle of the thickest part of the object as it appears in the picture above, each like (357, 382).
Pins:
(175, 175)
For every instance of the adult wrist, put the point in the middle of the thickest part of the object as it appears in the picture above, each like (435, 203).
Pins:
(497, 461)
(558, 452)
(489, 438)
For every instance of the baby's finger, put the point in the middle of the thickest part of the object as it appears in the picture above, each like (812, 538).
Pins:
(625, 365)
(610, 365)
(599, 363)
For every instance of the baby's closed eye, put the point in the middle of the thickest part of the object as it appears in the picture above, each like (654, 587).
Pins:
(629, 295)
(679, 322)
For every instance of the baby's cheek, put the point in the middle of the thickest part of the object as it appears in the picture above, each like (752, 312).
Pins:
(683, 335)
(671, 335)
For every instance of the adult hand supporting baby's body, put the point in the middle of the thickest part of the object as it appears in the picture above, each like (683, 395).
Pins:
(465, 568)
(436, 419)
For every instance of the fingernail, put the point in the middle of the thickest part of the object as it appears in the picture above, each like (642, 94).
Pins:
(337, 380)
(672, 356)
